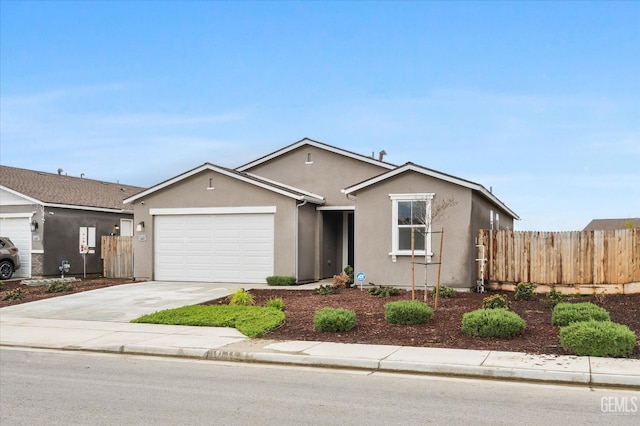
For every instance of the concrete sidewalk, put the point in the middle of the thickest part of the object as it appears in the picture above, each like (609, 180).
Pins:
(228, 344)
(98, 320)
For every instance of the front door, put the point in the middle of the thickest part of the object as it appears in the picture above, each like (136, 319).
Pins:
(337, 242)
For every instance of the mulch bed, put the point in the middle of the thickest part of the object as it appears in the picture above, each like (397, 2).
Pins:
(540, 337)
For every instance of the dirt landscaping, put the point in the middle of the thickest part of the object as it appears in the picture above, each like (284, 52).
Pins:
(540, 337)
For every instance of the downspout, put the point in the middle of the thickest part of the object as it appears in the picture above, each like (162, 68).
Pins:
(304, 202)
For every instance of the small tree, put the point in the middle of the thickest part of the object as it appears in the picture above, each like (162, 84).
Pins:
(425, 213)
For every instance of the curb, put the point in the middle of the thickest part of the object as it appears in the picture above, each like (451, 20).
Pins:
(374, 365)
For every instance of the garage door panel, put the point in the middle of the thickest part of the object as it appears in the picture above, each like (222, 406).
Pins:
(18, 230)
(214, 248)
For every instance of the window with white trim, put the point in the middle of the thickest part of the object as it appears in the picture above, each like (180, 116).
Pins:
(411, 214)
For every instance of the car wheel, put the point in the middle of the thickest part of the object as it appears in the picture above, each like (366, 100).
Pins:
(6, 270)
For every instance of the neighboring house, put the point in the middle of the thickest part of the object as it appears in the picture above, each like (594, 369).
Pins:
(54, 217)
(308, 210)
(612, 224)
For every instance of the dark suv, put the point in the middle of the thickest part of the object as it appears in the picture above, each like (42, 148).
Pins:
(9, 258)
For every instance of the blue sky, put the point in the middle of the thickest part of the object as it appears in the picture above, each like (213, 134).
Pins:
(538, 100)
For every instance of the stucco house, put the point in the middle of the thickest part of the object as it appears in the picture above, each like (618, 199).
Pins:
(53, 217)
(308, 210)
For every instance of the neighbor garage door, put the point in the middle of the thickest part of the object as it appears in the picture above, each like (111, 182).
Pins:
(214, 247)
(18, 229)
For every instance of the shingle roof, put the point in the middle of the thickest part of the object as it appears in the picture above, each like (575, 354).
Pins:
(612, 224)
(52, 188)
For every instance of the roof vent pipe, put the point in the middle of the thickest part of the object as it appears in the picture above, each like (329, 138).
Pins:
(381, 155)
(60, 171)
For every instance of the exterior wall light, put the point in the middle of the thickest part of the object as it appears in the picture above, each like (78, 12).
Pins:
(34, 226)
(140, 226)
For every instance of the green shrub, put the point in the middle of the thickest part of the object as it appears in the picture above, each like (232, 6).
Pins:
(496, 301)
(524, 291)
(598, 338)
(276, 302)
(406, 312)
(241, 297)
(445, 292)
(16, 294)
(497, 322)
(383, 290)
(58, 286)
(567, 313)
(281, 280)
(553, 298)
(252, 321)
(332, 319)
(349, 271)
(324, 290)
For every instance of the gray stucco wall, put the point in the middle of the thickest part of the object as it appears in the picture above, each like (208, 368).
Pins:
(229, 192)
(373, 225)
(61, 239)
(326, 176)
(58, 235)
(306, 242)
(481, 215)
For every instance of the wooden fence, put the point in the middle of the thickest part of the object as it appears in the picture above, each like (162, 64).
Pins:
(587, 258)
(117, 257)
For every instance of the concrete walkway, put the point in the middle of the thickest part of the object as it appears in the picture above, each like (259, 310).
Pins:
(98, 320)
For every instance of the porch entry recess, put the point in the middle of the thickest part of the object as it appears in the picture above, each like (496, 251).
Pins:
(336, 241)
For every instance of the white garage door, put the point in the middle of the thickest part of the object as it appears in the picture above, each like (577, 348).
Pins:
(18, 230)
(214, 247)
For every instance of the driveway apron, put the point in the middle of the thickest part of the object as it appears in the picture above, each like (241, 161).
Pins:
(122, 303)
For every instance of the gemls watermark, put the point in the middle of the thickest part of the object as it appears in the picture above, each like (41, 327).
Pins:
(619, 404)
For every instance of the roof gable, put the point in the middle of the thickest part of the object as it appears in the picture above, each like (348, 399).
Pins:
(269, 185)
(612, 224)
(59, 190)
(410, 167)
(320, 145)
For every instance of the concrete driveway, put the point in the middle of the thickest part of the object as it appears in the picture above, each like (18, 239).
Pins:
(122, 303)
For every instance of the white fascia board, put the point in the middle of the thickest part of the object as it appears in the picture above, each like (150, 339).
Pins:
(496, 201)
(19, 194)
(257, 182)
(87, 208)
(311, 195)
(211, 167)
(212, 210)
(432, 173)
(336, 208)
(166, 183)
(317, 145)
(16, 215)
(380, 178)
